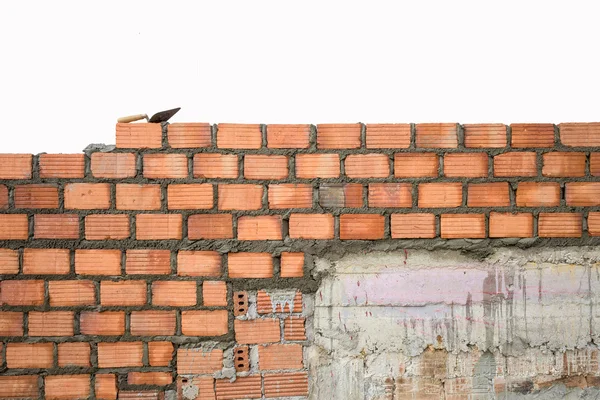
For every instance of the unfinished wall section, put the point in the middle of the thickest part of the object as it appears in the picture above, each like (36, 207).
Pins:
(342, 261)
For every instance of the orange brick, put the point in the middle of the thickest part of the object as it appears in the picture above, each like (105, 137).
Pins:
(532, 135)
(74, 354)
(87, 196)
(61, 165)
(595, 164)
(257, 331)
(14, 227)
(11, 323)
(292, 265)
(36, 196)
(515, 164)
(311, 226)
(51, 323)
(158, 226)
(495, 194)
(248, 387)
(278, 302)
(160, 353)
(56, 226)
(174, 293)
(107, 226)
(98, 262)
(198, 263)
(293, 329)
(416, 165)
(289, 195)
(559, 225)
(29, 355)
(214, 293)
(280, 356)
(388, 136)
(511, 225)
(46, 261)
(15, 166)
(240, 197)
(309, 166)
(241, 359)
(139, 135)
(367, 166)
(333, 195)
(362, 226)
(140, 394)
(263, 227)
(3, 197)
(22, 292)
(152, 323)
(593, 224)
(113, 165)
(21, 387)
(284, 385)
(148, 262)
(210, 226)
(204, 323)
(462, 226)
(240, 303)
(250, 265)
(106, 387)
(120, 354)
(564, 164)
(150, 378)
(280, 136)
(158, 166)
(390, 195)
(59, 387)
(138, 197)
(538, 194)
(338, 136)
(582, 194)
(203, 385)
(216, 166)
(468, 165)
(485, 135)
(122, 293)
(104, 323)
(438, 194)
(412, 226)
(189, 135)
(72, 293)
(257, 166)
(239, 136)
(9, 262)
(195, 196)
(437, 135)
(580, 134)
(198, 361)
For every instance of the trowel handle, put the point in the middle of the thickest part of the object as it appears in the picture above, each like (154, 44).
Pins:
(131, 118)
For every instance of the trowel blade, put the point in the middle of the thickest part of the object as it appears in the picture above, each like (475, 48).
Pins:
(164, 116)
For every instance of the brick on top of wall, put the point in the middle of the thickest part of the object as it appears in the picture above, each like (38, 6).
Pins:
(485, 135)
(388, 136)
(436, 135)
(532, 135)
(65, 166)
(158, 226)
(204, 322)
(189, 135)
(282, 136)
(147, 262)
(22, 292)
(339, 136)
(139, 135)
(15, 166)
(98, 262)
(580, 134)
(239, 136)
(292, 265)
(286, 384)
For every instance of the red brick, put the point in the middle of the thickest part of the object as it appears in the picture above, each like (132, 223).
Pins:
(532, 135)
(288, 136)
(98, 262)
(87, 196)
(189, 135)
(240, 303)
(391, 195)
(174, 293)
(198, 263)
(152, 323)
(214, 293)
(485, 135)
(333, 195)
(511, 225)
(463, 226)
(582, 193)
(122, 293)
(250, 265)
(416, 165)
(437, 135)
(241, 359)
(311, 226)
(59, 387)
(74, 354)
(15, 166)
(593, 224)
(14, 227)
(51, 323)
(107, 226)
(239, 136)
(210, 226)
(3, 197)
(158, 226)
(440, 194)
(388, 136)
(257, 331)
(150, 378)
(139, 135)
(158, 166)
(559, 225)
(195, 196)
(467, 165)
(269, 303)
(46, 261)
(290, 195)
(580, 134)
(362, 226)
(367, 166)
(204, 323)
(595, 164)
(22, 292)
(522, 163)
(160, 353)
(257, 166)
(9, 262)
(309, 166)
(29, 355)
(412, 226)
(72, 293)
(248, 387)
(120, 354)
(494, 194)
(104, 323)
(216, 166)
(240, 197)
(538, 194)
(20, 387)
(280, 356)
(65, 166)
(11, 323)
(138, 197)
(338, 136)
(56, 226)
(148, 262)
(293, 329)
(284, 385)
(564, 164)
(292, 265)
(263, 227)
(113, 165)
(36, 196)
(198, 361)
(204, 385)
(106, 387)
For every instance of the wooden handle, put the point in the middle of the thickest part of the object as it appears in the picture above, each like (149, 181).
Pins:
(131, 118)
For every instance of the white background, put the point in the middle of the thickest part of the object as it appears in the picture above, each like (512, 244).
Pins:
(68, 69)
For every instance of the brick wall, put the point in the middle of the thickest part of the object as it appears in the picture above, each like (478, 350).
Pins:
(178, 263)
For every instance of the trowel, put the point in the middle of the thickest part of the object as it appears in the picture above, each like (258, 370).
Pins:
(159, 117)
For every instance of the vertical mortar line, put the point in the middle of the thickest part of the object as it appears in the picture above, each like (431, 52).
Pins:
(364, 195)
(77, 323)
(132, 226)
(25, 324)
(213, 136)
(440, 157)
(508, 146)
(165, 132)
(241, 160)
(291, 167)
(277, 266)
(20, 260)
(30, 226)
(336, 225)
(184, 225)
(93, 386)
(263, 133)
(190, 165)
(178, 322)
(465, 187)
(41, 387)
(164, 197)
(46, 305)
(145, 355)
(535, 223)
(539, 162)
(363, 135)
(199, 297)
(387, 229)
(139, 164)
(123, 263)
(35, 171)
(312, 138)
(556, 137)
(587, 168)
(438, 225)
(460, 137)
(11, 196)
(342, 158)
(413, 136)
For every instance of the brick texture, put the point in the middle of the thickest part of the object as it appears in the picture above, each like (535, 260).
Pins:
(113, 165)
(485, 135)
(437, 135)
(418, 165)
(239, 136)
(388, 136)
(532, 135)
(265, 167)
(338, 136)
(67, 166)
(288, 136)
(515, 164)
(189, 135)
